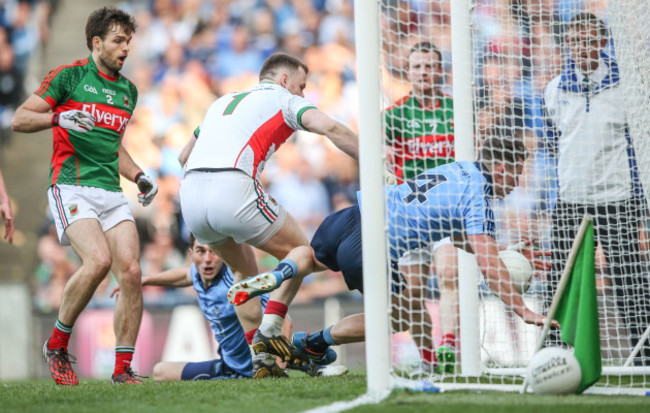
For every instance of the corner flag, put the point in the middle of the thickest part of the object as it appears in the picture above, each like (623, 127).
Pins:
(577, 312)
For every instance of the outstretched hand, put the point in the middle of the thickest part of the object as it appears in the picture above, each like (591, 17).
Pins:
(531, 317)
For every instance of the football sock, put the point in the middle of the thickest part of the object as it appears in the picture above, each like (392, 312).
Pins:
(287, 268)
(273, 318)
(428, 356)
(123, 358)
(60, 336)
(319, 342)
(249, 336)
(448, 339)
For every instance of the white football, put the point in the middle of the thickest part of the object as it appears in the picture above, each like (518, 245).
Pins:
(554, 370)
(521, 272)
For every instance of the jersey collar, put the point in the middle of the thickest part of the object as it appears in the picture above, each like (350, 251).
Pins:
(103, 75)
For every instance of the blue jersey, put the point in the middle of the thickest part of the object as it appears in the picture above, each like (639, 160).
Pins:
(221, 315)
(443, 201)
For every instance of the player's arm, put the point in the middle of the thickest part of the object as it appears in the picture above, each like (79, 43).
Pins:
(498, 278)
(343, 137)
(177, 278)
(5, 211)
(187, 149)
(32, 116)
(131, 171)
(35, 115)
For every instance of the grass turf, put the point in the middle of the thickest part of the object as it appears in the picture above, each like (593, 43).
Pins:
(298, 393)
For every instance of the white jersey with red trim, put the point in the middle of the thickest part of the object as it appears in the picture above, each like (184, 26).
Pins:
(242, 130)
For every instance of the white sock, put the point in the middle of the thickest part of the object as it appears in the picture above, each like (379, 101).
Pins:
(271, 325)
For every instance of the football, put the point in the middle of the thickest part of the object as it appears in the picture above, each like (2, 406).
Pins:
(521, 272)
(554, 370)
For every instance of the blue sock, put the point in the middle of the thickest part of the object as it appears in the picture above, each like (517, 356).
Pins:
(287, 268)
(319, 342)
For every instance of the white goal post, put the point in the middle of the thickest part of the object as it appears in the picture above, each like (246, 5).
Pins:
(502, 56)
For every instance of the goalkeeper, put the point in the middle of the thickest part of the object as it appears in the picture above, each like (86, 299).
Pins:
(211, 278)
(447, 201)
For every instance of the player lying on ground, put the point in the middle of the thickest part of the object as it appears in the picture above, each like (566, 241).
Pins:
(211, 279)
(446, 201)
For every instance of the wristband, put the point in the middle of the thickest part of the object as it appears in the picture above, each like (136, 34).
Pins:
(138, 176)
(55, 119)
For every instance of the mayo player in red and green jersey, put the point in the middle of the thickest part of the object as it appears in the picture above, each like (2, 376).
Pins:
(88, 105)
(419, 136)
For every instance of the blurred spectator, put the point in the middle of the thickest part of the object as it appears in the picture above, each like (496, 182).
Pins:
(11, 85)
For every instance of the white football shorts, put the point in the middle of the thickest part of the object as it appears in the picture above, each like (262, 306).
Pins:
(422, 256)
(70, 203)
(229, 204)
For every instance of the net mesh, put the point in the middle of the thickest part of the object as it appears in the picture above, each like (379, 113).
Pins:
(528, 63)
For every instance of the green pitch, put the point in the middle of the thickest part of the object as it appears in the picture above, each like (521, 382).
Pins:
(294, 394)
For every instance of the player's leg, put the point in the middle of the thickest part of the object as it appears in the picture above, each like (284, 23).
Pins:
(415, 270)
(241, 260)
(125, 248)
(446, 263)
(87, 240)
(168, 370)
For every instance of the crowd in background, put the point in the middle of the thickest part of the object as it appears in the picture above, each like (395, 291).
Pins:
(187, 53)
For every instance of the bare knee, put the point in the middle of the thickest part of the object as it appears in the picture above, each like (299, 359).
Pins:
(99, 264)
(129, 277)
(159, 372)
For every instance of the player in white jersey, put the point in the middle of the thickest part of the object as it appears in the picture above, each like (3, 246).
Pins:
(224, 204)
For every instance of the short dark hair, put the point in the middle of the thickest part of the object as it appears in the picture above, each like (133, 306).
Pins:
(278, 60)
(191, 240)
(425, 47)
(585, 19)
(503, 148)
(102, 20)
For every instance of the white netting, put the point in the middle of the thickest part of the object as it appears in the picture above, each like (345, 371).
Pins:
(525, 86)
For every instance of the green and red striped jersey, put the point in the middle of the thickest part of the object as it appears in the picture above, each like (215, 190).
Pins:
(91, 158)
(421, 138)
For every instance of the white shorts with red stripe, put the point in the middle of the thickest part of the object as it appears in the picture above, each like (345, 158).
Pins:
(229, 204)
(70, 203)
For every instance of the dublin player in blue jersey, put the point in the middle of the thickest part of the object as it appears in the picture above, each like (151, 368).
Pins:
(451, 200)
(211, 279)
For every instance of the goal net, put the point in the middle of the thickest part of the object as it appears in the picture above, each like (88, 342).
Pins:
(452, 76)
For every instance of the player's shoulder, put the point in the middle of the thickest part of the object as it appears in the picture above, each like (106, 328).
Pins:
(398, 103)
(554, 84)
(76, 67)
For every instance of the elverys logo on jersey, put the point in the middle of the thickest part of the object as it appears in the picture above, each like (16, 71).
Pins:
(107, 116)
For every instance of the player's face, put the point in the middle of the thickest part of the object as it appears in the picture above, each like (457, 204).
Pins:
(506, 178)
(296, 82)
(114, 49)
(424, 72)
(207, 262)
(585, 45)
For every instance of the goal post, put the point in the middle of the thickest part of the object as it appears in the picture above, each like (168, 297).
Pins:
(496, 61)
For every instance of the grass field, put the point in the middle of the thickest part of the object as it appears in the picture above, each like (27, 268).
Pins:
(295, 394)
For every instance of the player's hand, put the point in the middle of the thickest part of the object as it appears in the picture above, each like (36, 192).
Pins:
(389, 178)
(76, 120)
(148, 188)
(115, 291)
(8, 219)
(531, 317)
(535, 257)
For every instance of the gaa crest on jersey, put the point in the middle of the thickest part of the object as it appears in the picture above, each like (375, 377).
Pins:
(73, 209)
(126, 101)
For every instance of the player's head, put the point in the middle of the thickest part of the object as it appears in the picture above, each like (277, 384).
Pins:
(108, 35)
(424, 68)
(207, 263)
(586, 36)
(504, 156)
(287, 71)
